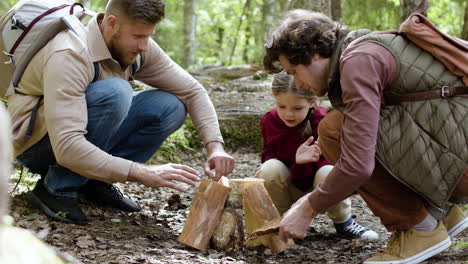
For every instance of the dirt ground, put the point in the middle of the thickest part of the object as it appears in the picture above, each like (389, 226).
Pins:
(150, 236)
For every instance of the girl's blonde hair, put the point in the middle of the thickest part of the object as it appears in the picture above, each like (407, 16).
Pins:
(284, 83)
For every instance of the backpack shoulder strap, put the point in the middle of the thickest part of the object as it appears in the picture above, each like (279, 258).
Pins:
(97, 71)
(137, 64)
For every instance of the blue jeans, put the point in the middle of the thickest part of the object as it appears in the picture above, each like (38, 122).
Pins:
(123, 123)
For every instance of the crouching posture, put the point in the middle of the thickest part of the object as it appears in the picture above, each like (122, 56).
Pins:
(405, 155)
(92, 130)
(291, 162)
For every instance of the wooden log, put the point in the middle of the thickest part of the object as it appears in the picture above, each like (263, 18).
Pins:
(229, 235)
(260, 212)
(204, 214)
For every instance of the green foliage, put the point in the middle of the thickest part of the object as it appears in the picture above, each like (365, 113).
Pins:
(218, 21)
(371, 14)
(28, 180)
(62, 214)
(459, 244)
(383, 15)
(448, 15)
(185, 141)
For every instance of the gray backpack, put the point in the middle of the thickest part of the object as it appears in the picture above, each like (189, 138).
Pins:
(26, 28)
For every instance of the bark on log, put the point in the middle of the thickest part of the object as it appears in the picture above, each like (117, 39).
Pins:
(229, 235)
(259, 212)
(204, 214)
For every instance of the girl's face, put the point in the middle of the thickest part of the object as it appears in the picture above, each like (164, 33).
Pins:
(292, 108)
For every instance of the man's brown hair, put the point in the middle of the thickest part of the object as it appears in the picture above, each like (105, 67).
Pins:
(143, 11)
(300, 34)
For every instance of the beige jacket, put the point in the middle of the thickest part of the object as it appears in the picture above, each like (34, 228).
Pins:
(61, 72)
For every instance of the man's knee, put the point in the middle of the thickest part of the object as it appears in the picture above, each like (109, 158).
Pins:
(114, 93)
(167, 108)
(273, 170)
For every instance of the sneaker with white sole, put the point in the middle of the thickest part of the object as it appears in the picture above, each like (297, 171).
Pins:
(455, 221)
(350, 229)
(412, 246)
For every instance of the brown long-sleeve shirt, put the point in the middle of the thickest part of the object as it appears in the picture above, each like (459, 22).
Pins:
(61, 72)
(365, 71)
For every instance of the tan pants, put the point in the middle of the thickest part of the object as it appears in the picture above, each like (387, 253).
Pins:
(398, 207)
(285, 194)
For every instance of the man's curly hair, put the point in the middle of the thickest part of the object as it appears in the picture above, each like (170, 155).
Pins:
(300, 34)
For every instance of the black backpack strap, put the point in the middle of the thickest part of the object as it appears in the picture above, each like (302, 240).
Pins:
(32, 120)
(97, 71)
(136, 67)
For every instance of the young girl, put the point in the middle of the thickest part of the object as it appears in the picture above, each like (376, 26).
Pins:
(289, 169)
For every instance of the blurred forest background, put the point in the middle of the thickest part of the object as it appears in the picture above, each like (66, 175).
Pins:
(232, 32)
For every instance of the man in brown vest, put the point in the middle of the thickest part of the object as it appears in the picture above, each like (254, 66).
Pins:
(367, 133)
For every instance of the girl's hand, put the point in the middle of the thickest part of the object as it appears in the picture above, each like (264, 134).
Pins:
(307, 153)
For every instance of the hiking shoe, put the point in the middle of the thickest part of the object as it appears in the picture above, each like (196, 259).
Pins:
(351, 229)
(455, 221)
(107, 195)
(411, 246)
(61, 208)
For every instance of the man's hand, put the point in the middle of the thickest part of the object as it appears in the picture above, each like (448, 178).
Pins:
(308, 153)
(163, 175)
(218, 160)
(297, 220)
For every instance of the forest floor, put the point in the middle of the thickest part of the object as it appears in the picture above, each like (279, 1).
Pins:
(150, 236)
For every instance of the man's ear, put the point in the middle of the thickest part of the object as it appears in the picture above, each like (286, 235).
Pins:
(112, 24)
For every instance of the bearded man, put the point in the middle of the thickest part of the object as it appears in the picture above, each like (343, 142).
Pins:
(91, 129)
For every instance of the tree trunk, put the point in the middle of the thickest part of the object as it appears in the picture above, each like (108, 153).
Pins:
(219, 41)
(322, 6)
(464, 33)
(5, 160)
(241, 20)
(189, 30)
(336, 10)
(247, 35)
(407, 7)
(269, 11)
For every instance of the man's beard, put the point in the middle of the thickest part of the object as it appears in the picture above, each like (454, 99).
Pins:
(116, 52)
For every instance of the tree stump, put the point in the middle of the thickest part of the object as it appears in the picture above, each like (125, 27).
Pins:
(204, 214)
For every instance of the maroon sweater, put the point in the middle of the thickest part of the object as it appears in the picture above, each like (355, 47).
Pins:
(281, 142)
